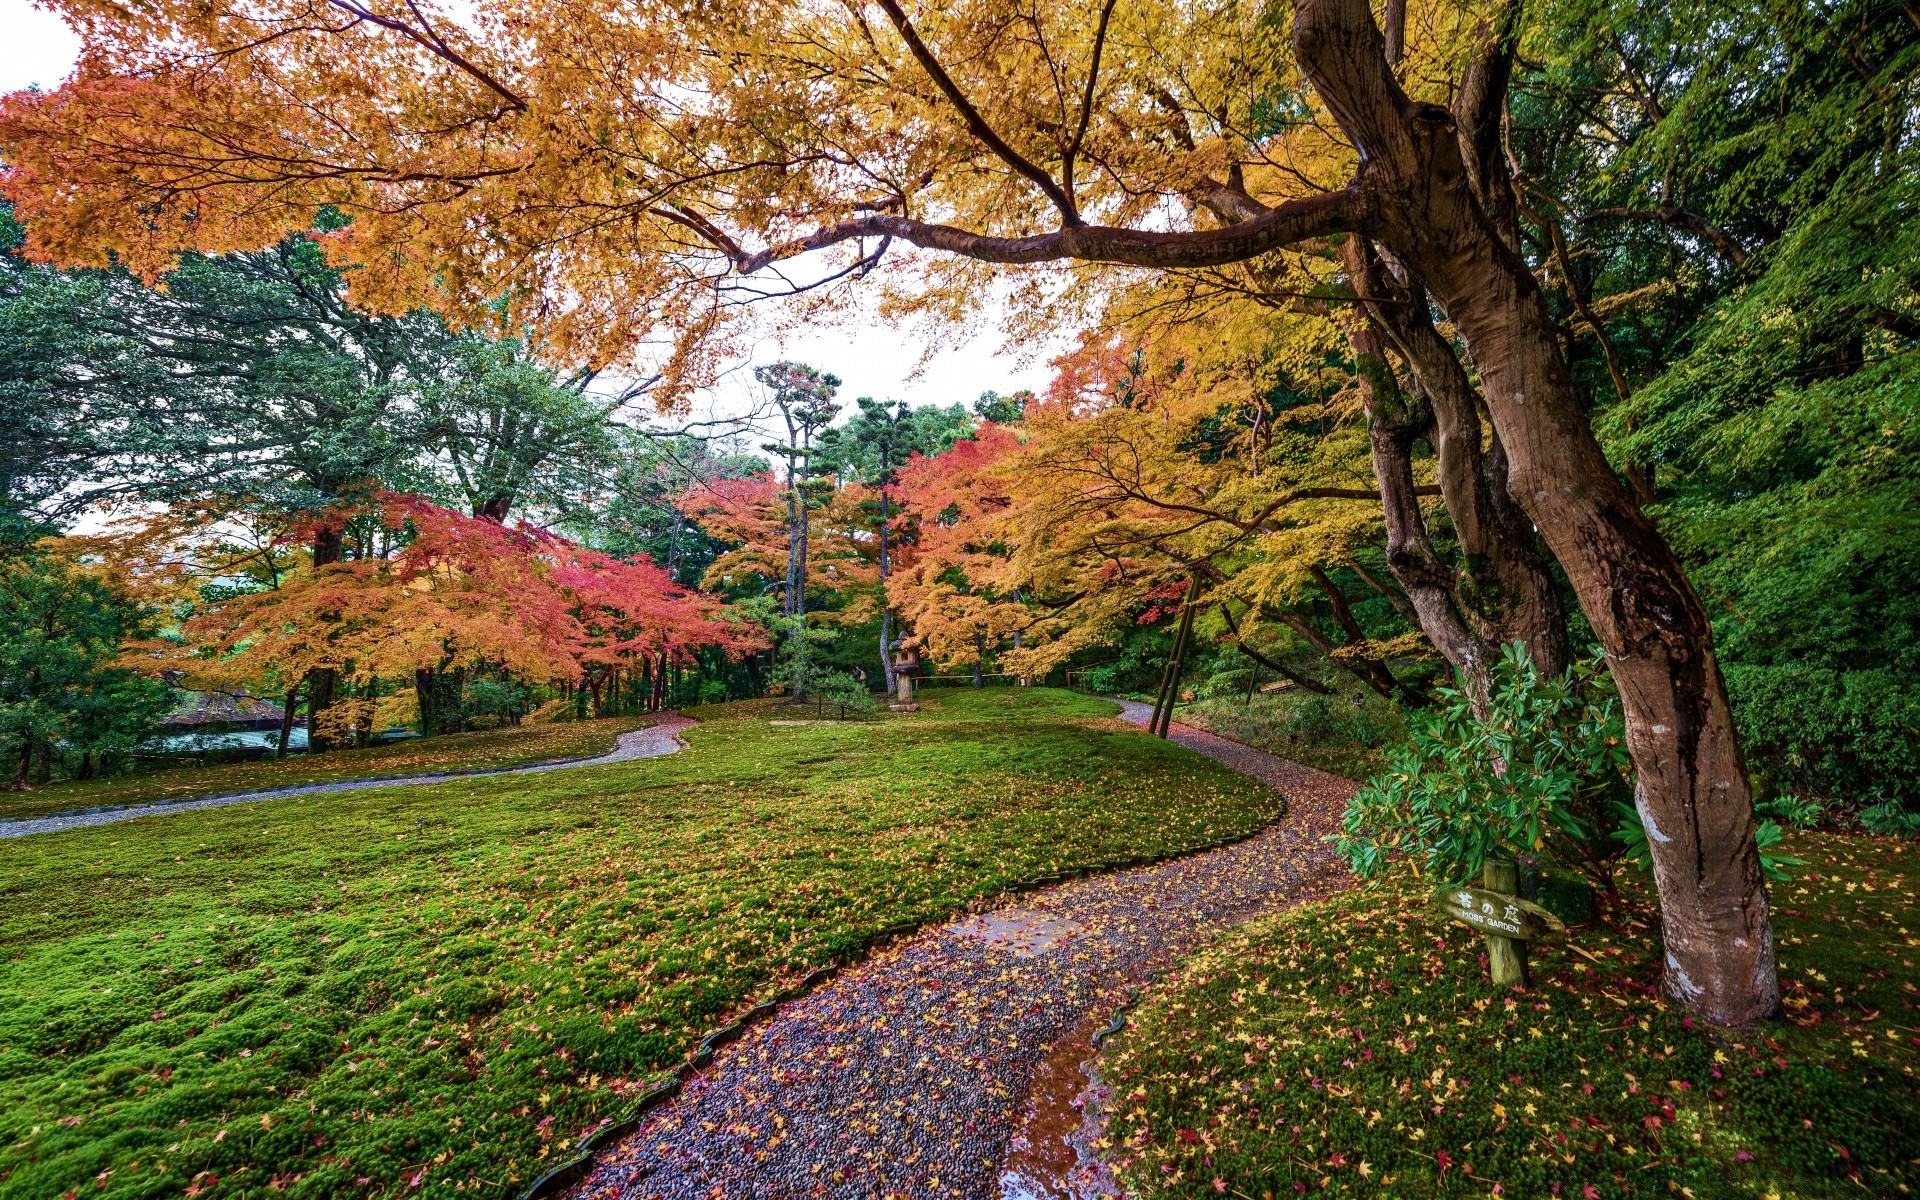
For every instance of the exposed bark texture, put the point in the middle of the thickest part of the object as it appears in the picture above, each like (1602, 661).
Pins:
(1394, 424)
(1500, 586)
(1693, 789)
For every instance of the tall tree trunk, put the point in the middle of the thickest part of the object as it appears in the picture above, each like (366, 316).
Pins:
(796, 605)
(329, 544)
(1500, 584)
(42, 761)
(426, 688)
(1418, 164)
(1394, 423)
(886, 609)
(286, 723)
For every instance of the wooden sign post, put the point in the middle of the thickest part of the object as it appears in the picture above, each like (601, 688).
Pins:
(1508, 921)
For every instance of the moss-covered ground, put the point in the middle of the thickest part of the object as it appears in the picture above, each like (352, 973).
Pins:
(1353, 1047)
(439, 989)
(480, 750)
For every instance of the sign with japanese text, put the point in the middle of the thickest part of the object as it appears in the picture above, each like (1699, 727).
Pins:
(1499, 914)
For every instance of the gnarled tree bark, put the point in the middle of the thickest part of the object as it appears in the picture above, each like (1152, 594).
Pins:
(1693, 791)
(1500, 586)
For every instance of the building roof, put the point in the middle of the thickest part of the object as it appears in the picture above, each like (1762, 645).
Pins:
(223, 708)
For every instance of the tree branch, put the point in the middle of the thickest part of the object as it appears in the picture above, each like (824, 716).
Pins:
(1679, 218)
(1086, 103)
(427, 38)
(1278, 668)
(1290, 223)
(975, 122)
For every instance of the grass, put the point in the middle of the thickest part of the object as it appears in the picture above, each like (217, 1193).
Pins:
(1348, 733)
(440, 989)
(1352, 1047)
(455, 752)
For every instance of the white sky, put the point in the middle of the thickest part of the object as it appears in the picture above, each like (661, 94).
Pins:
(871, 358)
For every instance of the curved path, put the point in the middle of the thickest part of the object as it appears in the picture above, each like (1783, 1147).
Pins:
(909, 1074)
(662, 737)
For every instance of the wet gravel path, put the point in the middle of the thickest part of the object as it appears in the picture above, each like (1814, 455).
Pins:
(908, 1075)
(657, 739)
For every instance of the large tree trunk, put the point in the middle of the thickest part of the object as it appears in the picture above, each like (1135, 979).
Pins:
(426, 686)
(1394, 424)
(886, 609)
(796, 604)
(1501, 585)
(1693, 791)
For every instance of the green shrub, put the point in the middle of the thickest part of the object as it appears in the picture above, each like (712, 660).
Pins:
(1792, 811)
(1344, 733)
(1891, 819)
(1835, 733)
(1544, 771)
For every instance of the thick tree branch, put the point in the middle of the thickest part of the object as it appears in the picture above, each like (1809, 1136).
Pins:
(1239, 639)
(1290, 223)
(1086, 105)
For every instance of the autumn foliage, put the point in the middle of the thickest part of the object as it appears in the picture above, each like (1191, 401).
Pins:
(451, 589)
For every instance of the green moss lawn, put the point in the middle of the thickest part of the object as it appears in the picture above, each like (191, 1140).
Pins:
(438, 990)
(1352, 1047)
(508, 747)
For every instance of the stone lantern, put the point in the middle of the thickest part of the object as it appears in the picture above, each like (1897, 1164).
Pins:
(906, 666)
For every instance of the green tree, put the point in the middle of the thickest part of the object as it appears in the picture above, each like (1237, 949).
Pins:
(804, 399)
(61, 628)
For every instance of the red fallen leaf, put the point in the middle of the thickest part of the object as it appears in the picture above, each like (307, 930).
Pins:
(1189, 1136)
(1742, 1156)
(159, 1015)
(418, 1180)
(1445, 1160)
(1590, 1192)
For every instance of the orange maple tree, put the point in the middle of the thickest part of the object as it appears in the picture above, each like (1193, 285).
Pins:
(453, 591)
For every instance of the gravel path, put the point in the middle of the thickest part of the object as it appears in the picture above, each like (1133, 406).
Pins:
(660, 738)
(909, 1075)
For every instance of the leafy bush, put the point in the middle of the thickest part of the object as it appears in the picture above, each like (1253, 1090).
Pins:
(504, 701)
(1343, 733)
(1831, 732)
(1891, 819)
(1792, 811)
(839, 687)
(1543, 771)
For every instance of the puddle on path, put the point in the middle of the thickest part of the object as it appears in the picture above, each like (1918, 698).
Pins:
(1022, 932)
(1052, 1155)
